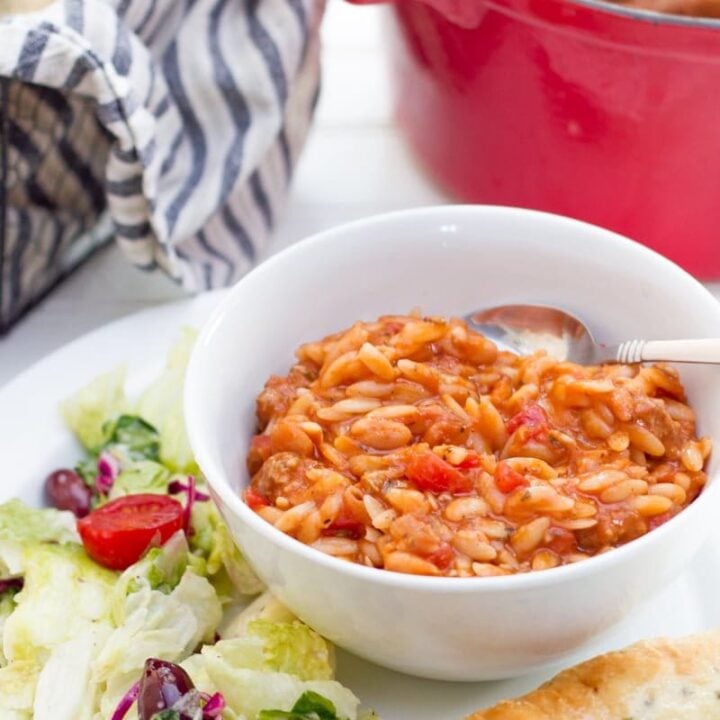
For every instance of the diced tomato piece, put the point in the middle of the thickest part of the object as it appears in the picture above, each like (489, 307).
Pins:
(561, 541)
(255, 499)
(532, 417)
(508, 479)
(119, 533)
(429, 472)
(442, 558)
(471, 461)
(344, 526)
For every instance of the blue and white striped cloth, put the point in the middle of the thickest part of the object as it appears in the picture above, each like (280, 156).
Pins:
(182, 119)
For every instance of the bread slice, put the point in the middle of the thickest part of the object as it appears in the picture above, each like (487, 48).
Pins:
(665, 679)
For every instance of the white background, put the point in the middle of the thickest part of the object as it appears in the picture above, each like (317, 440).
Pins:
(355, 164)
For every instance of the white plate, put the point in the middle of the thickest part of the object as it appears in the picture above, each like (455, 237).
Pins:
(34, 442)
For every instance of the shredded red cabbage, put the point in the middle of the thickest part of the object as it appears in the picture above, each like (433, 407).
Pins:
(108, 470)
(126, 702)
(178, 486)
(193, 496)
(14, 584)
(214, 707)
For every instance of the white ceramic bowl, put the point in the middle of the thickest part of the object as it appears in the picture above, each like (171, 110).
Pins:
(445, 260)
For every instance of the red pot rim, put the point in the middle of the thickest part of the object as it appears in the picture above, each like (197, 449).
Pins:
(649, 16)
(604, 6)
(641, 32)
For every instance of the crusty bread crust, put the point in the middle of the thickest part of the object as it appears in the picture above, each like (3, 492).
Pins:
(677, 679)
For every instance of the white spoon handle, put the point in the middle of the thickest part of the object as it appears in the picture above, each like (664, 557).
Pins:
(689, 351)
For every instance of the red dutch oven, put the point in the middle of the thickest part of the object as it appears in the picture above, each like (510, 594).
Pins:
(580, 107)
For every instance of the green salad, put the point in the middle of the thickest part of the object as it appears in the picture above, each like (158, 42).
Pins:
(126, 598)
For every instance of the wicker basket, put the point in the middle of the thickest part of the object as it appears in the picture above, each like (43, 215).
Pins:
(41, 242)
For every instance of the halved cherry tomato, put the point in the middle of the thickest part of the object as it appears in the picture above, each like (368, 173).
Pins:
(347, 527)
(429, 472)
(118, 534)
(532, 417)
(255, 499)
(508, 479)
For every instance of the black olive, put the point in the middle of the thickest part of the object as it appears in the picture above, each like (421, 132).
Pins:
(66, 490)
(162, 685)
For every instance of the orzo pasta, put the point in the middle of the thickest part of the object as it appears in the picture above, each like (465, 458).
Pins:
(413, 444)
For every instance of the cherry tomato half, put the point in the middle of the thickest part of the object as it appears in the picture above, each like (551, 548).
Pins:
(429, 472)
(119, 533)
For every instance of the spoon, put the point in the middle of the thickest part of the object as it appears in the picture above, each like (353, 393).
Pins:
(524, 329)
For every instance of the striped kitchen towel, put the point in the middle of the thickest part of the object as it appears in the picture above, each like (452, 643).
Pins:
(180, 120)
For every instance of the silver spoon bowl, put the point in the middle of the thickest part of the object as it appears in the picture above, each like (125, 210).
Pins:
(525, 329)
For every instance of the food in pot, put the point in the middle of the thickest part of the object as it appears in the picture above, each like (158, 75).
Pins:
(694, 8)
(415, 445)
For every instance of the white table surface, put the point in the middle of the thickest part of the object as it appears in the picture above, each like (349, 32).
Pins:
(355, 164)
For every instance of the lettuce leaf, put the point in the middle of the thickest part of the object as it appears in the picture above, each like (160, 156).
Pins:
(17, 690)
(152, 428)
(64, 690)
(65, 596)
(141, 477)
(162, 406)
(294, 648)
(264, 607)
(7, 607)
(225, 565)
(133, 438)
(249, 692)
(291, 648)
(160, 568)
(88, 411)
(64, 593)
(21, 525)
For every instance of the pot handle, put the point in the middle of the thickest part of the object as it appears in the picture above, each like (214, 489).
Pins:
(466, 13)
